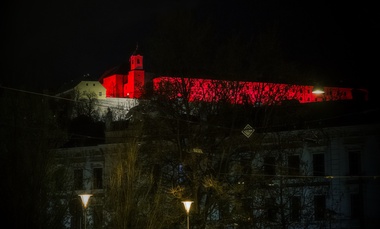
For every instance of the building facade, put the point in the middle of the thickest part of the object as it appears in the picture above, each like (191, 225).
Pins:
(311, 177)
(330, 180)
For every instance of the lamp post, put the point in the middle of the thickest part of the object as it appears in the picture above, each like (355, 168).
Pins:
(85, 198)
(187, 204)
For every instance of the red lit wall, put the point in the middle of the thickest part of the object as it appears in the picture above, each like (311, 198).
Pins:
(132, 89)
(114, 86)
(248, 92)
(126, 86)
(129, 86)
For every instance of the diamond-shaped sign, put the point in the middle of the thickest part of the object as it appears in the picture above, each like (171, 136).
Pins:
(248, 130)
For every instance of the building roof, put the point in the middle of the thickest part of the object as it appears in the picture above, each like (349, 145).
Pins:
(121, 69)
(325, 114)
(74, 82)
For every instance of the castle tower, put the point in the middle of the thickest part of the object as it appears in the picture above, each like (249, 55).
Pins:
(136, 76)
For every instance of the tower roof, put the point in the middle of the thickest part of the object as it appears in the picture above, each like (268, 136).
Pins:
(121, 69)
(137, 51)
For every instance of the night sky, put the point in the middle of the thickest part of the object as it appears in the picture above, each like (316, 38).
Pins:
(47, 43)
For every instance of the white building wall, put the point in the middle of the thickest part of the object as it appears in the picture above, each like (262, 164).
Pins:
(339, 142)
(119, 107)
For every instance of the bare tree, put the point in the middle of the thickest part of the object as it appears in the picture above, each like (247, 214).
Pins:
(209, 160)
(137, 196)
(87, 104)
(193, 127)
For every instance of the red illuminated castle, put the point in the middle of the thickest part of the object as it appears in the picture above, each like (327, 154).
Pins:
(127, 82)
(122, 83)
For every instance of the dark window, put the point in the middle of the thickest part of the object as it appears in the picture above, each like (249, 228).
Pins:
(294, 165)
(354, 163)
(98, 178)
(181, 174)
(319, 207)
(270, 206)
(269, 166)
(356, 206)
(98, 216)
(295, 207)
(247, 204)
(75, 209)
(58, 174)
(78, 179)
(318, 164)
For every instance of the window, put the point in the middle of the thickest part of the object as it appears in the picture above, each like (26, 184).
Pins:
(319, 207)
(75, 210)
(319, 164)
(294, 165)
(78, 179)
(269, 166)
(98, 178)
(247, 204)
(356, 206)
(270, 206)
(295, 208)
(354, 163)
(100, 93)
(214, 213)
(98, 216)
(58, 174)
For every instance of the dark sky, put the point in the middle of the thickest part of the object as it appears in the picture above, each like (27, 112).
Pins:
(47, 43)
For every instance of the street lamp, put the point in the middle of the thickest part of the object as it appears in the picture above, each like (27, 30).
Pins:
(85, 198)
(318, 89)
(187, 204)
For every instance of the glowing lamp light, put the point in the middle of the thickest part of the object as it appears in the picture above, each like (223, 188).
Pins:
(317, 89)
(85, 198)
(187, 204)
